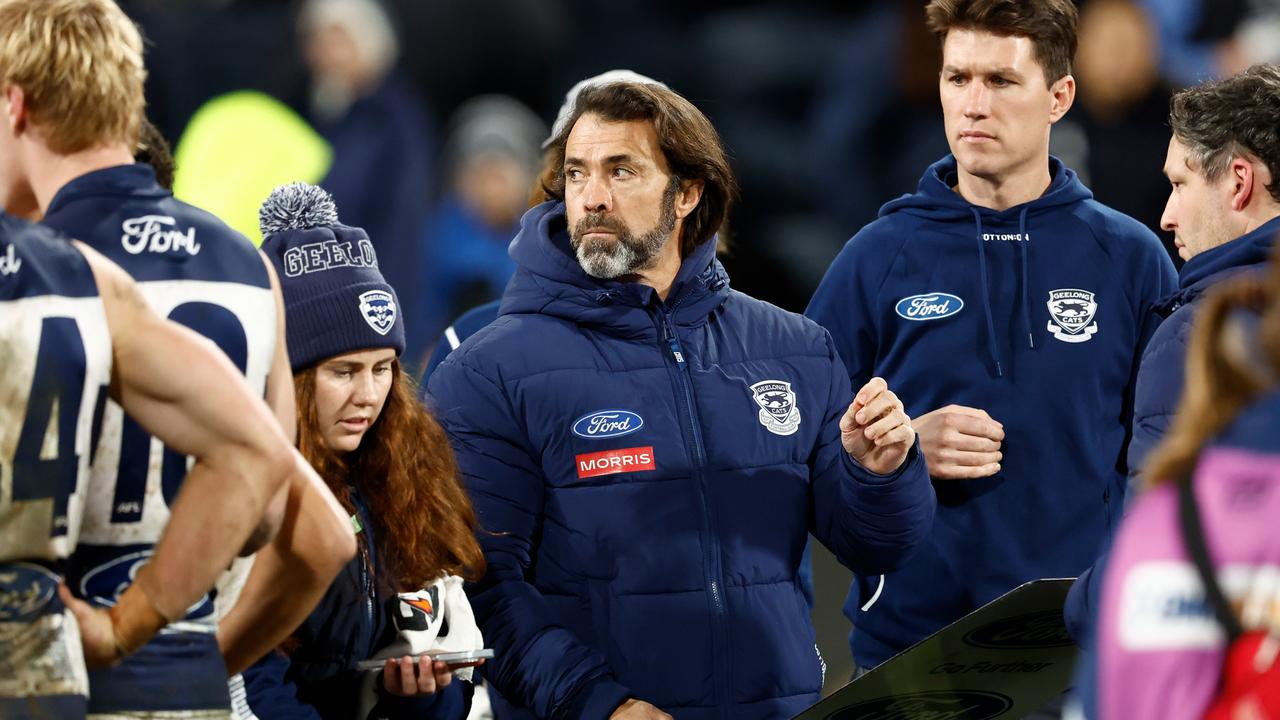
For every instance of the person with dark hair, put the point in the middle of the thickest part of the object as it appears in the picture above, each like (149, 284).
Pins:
(649, 449)
(154, 150)
(1008, 309)
(1167, 645)
(1224, 211)
(390, 465)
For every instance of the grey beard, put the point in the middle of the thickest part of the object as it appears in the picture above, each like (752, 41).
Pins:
(626, 255)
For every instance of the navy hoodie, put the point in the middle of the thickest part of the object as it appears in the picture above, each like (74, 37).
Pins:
(647, 473)
(1038, 315)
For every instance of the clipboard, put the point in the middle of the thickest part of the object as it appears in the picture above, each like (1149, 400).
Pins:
(1003, 660)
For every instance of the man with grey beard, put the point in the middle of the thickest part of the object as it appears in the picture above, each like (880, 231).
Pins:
(648, 450)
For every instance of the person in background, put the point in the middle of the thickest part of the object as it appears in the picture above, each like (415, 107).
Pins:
(379, 128)
(390, 465)
(490, 158)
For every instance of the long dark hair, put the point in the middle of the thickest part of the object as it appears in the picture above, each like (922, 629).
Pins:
(406, 473)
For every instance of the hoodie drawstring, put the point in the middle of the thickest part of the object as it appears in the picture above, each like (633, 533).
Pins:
(986, 293)
(1024, 248)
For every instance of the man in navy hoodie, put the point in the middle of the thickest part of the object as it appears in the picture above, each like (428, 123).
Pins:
(647, 450)
(1008, 309)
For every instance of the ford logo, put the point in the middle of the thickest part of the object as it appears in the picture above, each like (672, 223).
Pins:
(607, 424)
(929, 306)
(1024, 632)
(104, 584)
(935, 705)
(25, 591)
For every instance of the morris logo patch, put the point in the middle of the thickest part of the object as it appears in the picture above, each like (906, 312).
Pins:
(378, 308)
(1071, 312)
(929, 306)
(603, 424)
(611, 462)
(778, 412)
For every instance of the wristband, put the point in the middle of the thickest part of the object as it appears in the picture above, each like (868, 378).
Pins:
(135, 619)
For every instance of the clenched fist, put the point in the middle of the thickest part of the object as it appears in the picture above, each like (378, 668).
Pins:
(960, 443)
(875, 430)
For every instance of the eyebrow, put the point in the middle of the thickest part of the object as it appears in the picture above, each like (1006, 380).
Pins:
(611, 160)
(1003, 70)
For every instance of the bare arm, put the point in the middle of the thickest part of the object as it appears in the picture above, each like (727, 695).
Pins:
(279, 397)
(184, 391)
(315, 540)
(291, 573)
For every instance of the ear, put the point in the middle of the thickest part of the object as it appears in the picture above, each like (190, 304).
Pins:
(688, 197)
(16, 110)
(1061, 95)
(1241, 179)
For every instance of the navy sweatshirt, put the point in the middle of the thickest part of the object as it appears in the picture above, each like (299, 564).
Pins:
(1038, 315)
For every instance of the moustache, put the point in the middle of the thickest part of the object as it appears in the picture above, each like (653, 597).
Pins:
(598, 221)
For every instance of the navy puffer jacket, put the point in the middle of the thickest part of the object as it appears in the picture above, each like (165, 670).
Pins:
(647, 473)
(1163, 363)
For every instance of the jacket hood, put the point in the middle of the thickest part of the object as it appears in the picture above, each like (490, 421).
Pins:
(550, 280)
(935, 199)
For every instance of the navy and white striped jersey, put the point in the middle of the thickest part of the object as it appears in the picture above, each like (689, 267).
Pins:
(55, 353)
(195, 270)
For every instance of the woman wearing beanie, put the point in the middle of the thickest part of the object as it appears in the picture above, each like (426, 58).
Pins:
(390, 464)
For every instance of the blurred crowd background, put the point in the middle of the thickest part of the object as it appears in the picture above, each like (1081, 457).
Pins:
(433, 111)
(425, 118)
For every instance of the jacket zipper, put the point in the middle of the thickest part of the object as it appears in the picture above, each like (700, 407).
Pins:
(711, 551)
(366, 563)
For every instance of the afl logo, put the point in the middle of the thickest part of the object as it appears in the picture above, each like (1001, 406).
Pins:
(935, 704)
(607, 424)
(1024, 632)
(929, 306)
(26, 591)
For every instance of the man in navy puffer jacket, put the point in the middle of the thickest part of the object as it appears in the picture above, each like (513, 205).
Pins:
(647, 449)
(1224, 211)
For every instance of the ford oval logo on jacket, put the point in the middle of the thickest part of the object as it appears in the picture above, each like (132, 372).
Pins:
(607, 424)
(929, 306)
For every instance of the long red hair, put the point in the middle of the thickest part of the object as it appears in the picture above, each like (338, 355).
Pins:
(404, 467)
